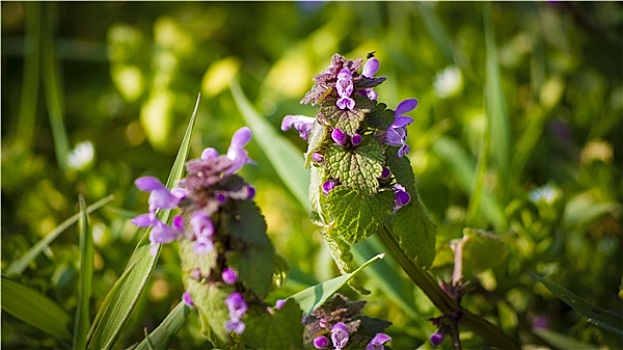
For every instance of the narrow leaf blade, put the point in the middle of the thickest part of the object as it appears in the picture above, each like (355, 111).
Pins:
(313, 297)
(35, 309)
(81, 326)
(160, 336)
(111, 319)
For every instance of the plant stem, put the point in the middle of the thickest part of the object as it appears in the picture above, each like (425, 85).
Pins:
(442, 301)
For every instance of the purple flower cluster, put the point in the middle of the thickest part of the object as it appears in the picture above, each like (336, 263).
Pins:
(344, 86)
(340, 336)
(208, 186)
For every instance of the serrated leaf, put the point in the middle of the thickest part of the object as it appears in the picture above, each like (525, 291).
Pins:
(209, 300)
(340, 250)
(415, 232)
(311, 298)
(160, 336)
(380, 117)
(357, 215)
(357, 168)
(606, 319)
(254, 258)
(346, 120)
(481, 250)
(35, 309)
(401, 169)
(281, 329)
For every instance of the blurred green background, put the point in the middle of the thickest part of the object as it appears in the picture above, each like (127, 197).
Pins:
(519, 131)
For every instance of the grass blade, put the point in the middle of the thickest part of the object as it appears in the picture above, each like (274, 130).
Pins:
(35, 309)
(285, 158)
(18, 266)
(606, 319)
(435, 29)
(52, 86)
(86, 275)
(30, 87)
(122, 299)
(159, 337)
(496, 111)
(463, 169)
(313, 297)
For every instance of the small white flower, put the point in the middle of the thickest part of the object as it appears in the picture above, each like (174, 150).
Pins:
(448, 82)
(81, 156)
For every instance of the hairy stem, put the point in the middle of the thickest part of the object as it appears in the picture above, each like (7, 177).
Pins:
(443, 302)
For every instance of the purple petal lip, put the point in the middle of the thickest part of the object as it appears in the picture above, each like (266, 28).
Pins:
(209, 153)
(405, 106)
(148, 183)
(371, 67)
(339, 137)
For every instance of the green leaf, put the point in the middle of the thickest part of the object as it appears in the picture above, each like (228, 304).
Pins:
(414, 231)
(313, 297)
(357, 215)
(357, 168)
(160, 336)
(497, 114)
(281, 329)
(562, 341)
(18, 266)
(254, 256)
(209, 301)
(35, 309)
(121, 300)
(608, 320)
(284, 157)
(346, 120)
(481, 250)
(81, 326)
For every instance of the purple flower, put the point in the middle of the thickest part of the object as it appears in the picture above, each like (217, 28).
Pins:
(317, 157)
(301, 123)
(144, 220)
(202, 225)
(401, 196)
(328, 185)
(203, 245)
(385, 173)
(321, 342)
(250, 192)
(163, 233)
(196, 274)
(396, 134)
(377, 342)
(236, 152)
(436, 338)
(230, 276)
(209, 153)
(356, 140)
(340, 137)
(160, 197)
(279, 304)
(344, 86)
(339, 335)
(236, 305)
(369, 69)
(541, 322)
(235, 326)
(187, 299)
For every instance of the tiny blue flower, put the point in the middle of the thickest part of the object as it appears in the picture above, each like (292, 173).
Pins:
(436, 338)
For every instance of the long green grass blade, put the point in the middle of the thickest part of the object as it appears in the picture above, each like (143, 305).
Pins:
(285, 158)
(313, 297)
(159, 337)
(30, 87)
(18, 266)
(473, 209)
(53, 87)
(562, 341)
(463, 169)
(497, 114)
(86, 276)
(435, 29)
(122, 299)
(608, 320)
(35, 309)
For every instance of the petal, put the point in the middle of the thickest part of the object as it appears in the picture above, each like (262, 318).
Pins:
(405, 106)
(229, 276)
(148, 183)
(401, 122)
(202, 225)
(143, 220)
(203, 246)
(370, 68)
(209, 153)
(339, 137)
(235, 326)
(187, 299)
(162, 199)
(241, 137)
